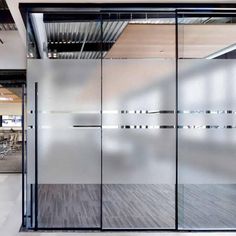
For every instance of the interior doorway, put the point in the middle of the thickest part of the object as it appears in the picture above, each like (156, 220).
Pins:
(11, 116)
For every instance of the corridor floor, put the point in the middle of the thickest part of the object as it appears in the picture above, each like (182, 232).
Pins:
(10, 215)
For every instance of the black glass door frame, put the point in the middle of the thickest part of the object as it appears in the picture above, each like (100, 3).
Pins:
(35, 208)
(178, 14)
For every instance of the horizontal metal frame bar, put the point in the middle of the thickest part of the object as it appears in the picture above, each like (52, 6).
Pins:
(13, 73)
(10, 172)
(76, 47)
(115, 16)
(12, 78)
(65, 17)
(62, 7)
(187, 14)
(87, 126)
(97, 230)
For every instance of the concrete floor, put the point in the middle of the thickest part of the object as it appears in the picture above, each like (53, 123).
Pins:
(11, 163)
(10, 214)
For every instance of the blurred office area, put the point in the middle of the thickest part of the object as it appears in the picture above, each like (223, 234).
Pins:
(10, 129)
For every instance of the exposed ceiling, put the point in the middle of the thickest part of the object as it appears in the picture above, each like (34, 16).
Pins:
(150, 40)
(81, 40)
(13, 6)
(145, 41)
(10, 95)
(3, 5)
(200, 41)
(124, 39)
(146, 37)
(6, 20)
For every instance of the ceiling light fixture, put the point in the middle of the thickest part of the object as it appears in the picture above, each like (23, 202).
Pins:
(6, 99)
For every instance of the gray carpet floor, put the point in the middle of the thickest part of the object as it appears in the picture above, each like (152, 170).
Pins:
(135, 206)
(207, 206)
(11, 162)
(138, 206)
(124, 206)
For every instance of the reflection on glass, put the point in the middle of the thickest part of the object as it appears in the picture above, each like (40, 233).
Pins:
(139, 141)
(207, 179)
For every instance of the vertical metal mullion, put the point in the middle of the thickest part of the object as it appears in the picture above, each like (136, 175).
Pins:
(101, 38)
(176, 121)
(23, 155)
(36, 156)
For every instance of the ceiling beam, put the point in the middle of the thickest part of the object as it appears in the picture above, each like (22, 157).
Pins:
(76, 17)
(12, 77)
(5, 17)
(76, 47)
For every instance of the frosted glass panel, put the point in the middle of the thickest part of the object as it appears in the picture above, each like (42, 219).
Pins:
(207, 144)
(69, 141)
(138, 143)
(138, 84)
(207, 84)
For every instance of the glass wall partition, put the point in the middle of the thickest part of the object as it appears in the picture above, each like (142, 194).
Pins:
(102, 110)
(131, 120)
(206, 135)
(138, 148)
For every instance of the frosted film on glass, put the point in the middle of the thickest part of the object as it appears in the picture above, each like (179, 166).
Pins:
(138, 84)
(69, 97)
(69, 141)
(207, 143)
(138, 162)
(207, 84)
(138, 156)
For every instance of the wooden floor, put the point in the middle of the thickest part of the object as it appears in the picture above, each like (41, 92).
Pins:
(135, 206)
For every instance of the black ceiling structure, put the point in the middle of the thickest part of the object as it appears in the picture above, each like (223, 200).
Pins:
(12, 77)
(6, 19)
(58, 17)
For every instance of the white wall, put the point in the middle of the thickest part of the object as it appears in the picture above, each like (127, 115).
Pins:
(12, 51)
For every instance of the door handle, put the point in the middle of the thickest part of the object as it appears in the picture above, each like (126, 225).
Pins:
(88, 126)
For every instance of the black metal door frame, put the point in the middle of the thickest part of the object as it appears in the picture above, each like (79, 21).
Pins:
(103, 10)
